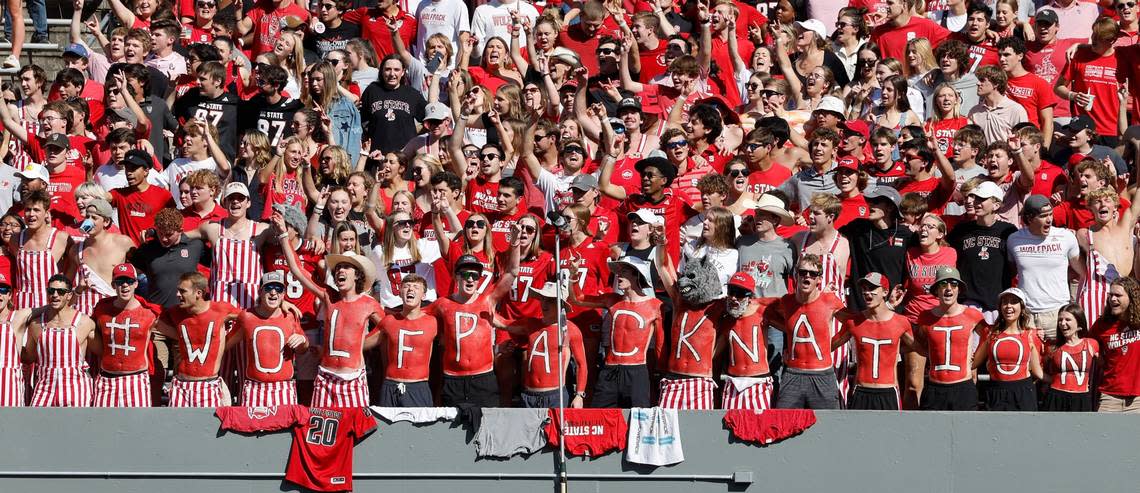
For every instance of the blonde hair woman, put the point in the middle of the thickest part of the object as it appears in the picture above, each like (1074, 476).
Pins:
(919, 60)
(924, 260)
(400, 253)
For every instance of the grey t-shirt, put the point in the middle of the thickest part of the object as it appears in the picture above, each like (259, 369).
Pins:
(770, 263)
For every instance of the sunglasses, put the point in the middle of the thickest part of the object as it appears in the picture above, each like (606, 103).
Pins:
(606, 51)
(619, 129)
(57, 291)
(808, 273)
(206, 5)
(404, 223)
(538, 137)
(469, 275)
(122, 281)
(5, 289)
(488, 157)
(739, 293)
(471, 153)
(475, 223)
(768, 92)
(273, 288)
(752, 146)
(676, 144)
(328, 6)
(736, 173)
(528, 229)
(335, 61)
(752, 86)
(1125, 5)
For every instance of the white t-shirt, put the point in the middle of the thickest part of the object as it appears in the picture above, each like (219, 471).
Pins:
(111, 177)
(1043, 266)
(178, 170)
(724, 260)
(494, 20)
(446, 17)
(551, 185)
(400, 266)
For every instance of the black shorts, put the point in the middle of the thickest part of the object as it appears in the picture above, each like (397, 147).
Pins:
(874, 399)
(1067, 402)
(801, 389)
(961, 396)
(476, 390)
(622, 386)
(405, 394)
(544, 399)
(1018, 395)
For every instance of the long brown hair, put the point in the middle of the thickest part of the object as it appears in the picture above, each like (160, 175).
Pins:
(1024, 321)
(1131, 315)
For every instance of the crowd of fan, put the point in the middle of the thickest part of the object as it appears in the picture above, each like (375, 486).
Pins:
(790, 203)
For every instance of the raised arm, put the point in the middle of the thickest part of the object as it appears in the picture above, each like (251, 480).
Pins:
(14, 128)
(75, 29)
(507, 279)
(302, 277)
(605, 185)
(125, 15)
(665, 269)
(591, 128)
(397, 42)
(704, 50)
(1025, 179)
(518, 22)
(785, 63)
(626, 78)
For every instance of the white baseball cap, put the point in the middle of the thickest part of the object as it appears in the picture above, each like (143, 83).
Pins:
(814, 25)
(235, 187)
(833, 104)
(34, 171)
(988, 190)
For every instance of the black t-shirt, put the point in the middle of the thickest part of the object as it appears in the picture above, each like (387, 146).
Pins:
(164, 266)
(875, 250)
(390, 115)
(272, 119)
(982, 260)
(221, 112)
(333, 38)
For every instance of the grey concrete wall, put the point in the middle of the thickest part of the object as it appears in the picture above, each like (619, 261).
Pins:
(171, 450)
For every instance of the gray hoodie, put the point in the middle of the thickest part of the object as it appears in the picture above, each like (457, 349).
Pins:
(966, 85)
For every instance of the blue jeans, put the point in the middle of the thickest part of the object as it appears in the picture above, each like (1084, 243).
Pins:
(37, 9)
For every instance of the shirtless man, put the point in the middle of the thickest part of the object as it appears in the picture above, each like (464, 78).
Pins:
(40, 251)
(634, 324)
(199, 326)
(122, 342)
(58, 338)
(13, 324)
(1108, 247)
(748, 381)
(341, 380)
(542, 369)
(92, 259)
(878, 333)
(944, 336)
(407, 339)
(466, 331)
(271, 338)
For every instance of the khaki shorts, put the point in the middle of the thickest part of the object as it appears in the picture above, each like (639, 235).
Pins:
(1114, 404)
(1047, 322)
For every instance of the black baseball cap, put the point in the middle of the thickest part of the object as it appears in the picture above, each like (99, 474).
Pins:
(136, 158)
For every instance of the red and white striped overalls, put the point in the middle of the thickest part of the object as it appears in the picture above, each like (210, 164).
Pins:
(1093, 292)
(61, 368)
(11, 371)
(85, 301)
(18, 150)
(236, 270)
(834, 278)
(34, 268)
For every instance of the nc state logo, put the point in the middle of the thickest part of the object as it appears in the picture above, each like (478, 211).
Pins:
(984, 253)
(627, 174)
(862, 211)
(262, 412)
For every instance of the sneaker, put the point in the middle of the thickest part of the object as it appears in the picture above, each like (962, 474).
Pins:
(40, 38)
(12, 62)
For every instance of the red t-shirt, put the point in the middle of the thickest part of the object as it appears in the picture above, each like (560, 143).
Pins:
(981, 54)
(191, 219)
(760, 181)
(853, 208)
(1072, 366)
(892, 40)
(482, 196)
(948, 344)
(1091, 73)
(944, 131)
(1047, 178)
(876, 347)
(1048, 62)
(137, 209)
(274, 259)
(670, 208)
(922, 269)
(1120, 345)
(374, 29)
(574, 39)
(267, 19)
(521, 303)
(321, 457)
(1032, 92)
(589, 432)
(652, 62)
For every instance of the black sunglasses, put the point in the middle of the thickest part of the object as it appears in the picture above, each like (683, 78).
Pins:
(528, 229)
(273, 288)
(122, 281)
(475, 223)
(736, 173)
(808, 273)
(404, 223)
(58, 291)
(5, 289)
(469, 275)
(739, 293)
(488, 157)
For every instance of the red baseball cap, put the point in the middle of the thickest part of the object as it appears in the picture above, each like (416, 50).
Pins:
(742, 280)
(4, 281)
(124, 270)
(847, 162)
(857, 126)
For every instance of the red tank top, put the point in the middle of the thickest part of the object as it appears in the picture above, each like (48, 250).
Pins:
(408, 346)
(747, 346)
(345, 330)
(693, 339)
(1008, 355)
(809, 328)
(876, 347)
(467, 337)
(948, 344)
(1072, 366)
(201, 337)
(632, 327)
(541, 364)
(267, 358)
(125, 336)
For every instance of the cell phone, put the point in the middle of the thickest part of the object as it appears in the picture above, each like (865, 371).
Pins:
(434, 63)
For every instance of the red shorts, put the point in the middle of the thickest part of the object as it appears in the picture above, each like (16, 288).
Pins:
(122, 391)
(687, 393)
(263, 394)
(332, 390)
